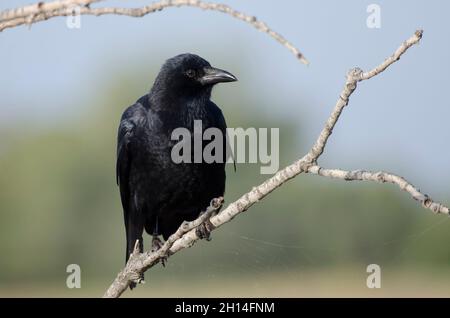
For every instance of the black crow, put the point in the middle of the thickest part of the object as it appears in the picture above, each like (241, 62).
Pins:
(158, 194)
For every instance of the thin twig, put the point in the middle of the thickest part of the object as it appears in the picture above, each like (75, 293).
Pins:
(381, 177)
(18, 16)
(41, 7)
(353, 77)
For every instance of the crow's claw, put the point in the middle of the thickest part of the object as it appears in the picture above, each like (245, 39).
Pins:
(156, 245)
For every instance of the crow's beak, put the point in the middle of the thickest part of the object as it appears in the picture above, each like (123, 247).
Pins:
(215, 75)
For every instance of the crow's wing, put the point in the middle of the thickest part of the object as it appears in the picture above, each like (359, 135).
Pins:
(132, 119)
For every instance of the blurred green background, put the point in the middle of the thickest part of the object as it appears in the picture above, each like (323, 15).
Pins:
(313, 237)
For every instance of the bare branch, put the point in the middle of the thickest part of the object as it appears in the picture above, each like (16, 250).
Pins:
(353, 77)
(183, 238)
(35, 13)
(41, 8)
(140, 262)
(394, 57)
(381, 177)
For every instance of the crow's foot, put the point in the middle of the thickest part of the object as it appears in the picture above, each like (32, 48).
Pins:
(203, 231)
(156, 245)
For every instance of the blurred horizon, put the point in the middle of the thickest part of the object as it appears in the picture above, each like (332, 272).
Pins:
(63, 92)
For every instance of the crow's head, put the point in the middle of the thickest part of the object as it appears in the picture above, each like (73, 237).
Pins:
(189, 74)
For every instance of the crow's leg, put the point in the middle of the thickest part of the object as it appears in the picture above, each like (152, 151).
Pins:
(157, 243)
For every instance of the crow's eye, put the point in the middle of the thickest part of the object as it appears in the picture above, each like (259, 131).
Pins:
(190, 73)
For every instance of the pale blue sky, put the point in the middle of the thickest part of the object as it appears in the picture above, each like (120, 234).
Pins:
(396, 122)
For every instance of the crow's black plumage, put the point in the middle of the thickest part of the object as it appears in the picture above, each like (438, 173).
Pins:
(157, 194)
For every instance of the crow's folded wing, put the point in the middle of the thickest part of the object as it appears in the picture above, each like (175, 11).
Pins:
(132, 119)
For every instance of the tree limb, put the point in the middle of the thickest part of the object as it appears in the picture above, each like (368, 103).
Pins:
(381, 177)
(44, 11)
(41, 8)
